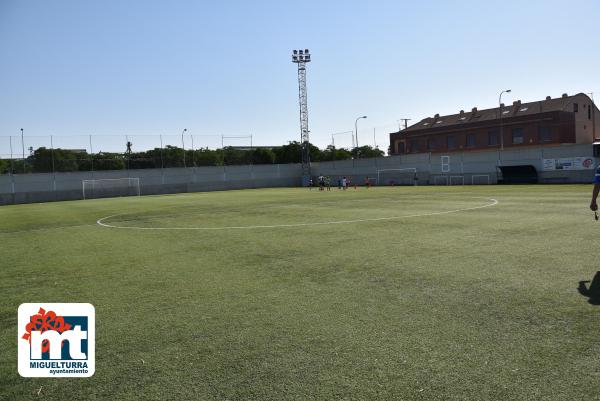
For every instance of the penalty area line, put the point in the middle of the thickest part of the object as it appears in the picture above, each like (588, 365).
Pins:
(101, 222)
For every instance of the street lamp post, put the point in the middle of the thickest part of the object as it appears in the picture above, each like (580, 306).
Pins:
(23, 146)
(356, 134)
(183, 145)
(501, 113)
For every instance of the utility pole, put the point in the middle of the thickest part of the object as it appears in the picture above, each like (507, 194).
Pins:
(356, 135)
(374, 139)
(23, 146)
(183, 146)
(500, 107)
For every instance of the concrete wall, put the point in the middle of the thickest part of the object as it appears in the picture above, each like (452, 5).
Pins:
(465, 164)
(29, 188)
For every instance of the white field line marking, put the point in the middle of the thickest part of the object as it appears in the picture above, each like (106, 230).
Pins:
(494, 202)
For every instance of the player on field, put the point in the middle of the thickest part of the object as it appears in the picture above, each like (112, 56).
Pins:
(321, 183)
(593, 204)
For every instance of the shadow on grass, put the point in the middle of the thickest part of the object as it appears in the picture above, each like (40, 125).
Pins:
(593, 291)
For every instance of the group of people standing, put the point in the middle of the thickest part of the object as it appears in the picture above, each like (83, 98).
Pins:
(324, 182)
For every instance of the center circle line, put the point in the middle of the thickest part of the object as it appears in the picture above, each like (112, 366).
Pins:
(101, 222)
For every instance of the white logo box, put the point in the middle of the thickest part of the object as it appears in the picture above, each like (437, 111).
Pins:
(78, 361)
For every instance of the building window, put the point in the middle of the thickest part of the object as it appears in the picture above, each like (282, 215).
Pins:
(545, 134)
(575, 107)
(590, 112)
(414, 146)
(493, 138)
(430, 144)
(471, 140)
(400, 147)
(451, 142)
(517, 136)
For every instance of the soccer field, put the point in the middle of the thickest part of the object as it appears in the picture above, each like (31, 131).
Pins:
(395, 293)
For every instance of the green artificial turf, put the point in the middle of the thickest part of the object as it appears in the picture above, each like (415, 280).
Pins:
(478, 304)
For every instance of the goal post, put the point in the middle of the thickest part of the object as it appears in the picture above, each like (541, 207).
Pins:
(111, 187)
(397, 176)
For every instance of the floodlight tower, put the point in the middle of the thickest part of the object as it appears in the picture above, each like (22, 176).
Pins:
(301, 57)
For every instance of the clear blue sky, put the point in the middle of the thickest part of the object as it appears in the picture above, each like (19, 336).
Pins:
(156, 67)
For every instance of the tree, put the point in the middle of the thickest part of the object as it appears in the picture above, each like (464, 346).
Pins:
(290, 153)
(43, 160)
(263, 156)
(5, 166)
(207, 157)
(368, 151)
(332, 153)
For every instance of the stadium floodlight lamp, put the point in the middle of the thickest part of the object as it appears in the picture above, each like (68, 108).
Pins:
(300, 56)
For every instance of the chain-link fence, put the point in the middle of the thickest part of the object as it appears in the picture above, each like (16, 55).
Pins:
(43, 154)
(59, 153)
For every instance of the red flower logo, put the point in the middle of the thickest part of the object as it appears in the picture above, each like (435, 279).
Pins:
(43, 321)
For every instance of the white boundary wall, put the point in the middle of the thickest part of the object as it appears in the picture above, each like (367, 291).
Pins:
(465, 164)
(27, 188)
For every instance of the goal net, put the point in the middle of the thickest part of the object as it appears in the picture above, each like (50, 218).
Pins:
(397, 176)
(113, 187)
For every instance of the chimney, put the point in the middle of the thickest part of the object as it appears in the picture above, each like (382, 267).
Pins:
(436, 116)
(474, 110)
(501, 105)
(462, 112)
(548, 98)
(516, 106)
(564, 95)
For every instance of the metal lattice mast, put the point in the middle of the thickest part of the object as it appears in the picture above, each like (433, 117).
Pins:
(301, 57)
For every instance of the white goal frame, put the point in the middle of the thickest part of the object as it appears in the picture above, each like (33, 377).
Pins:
(131, 182)
(400, 170)
(487, 176)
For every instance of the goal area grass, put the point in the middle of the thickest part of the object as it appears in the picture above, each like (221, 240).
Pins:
(407, 293)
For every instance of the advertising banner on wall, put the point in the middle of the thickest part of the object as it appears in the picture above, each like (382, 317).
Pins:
(569, 163)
